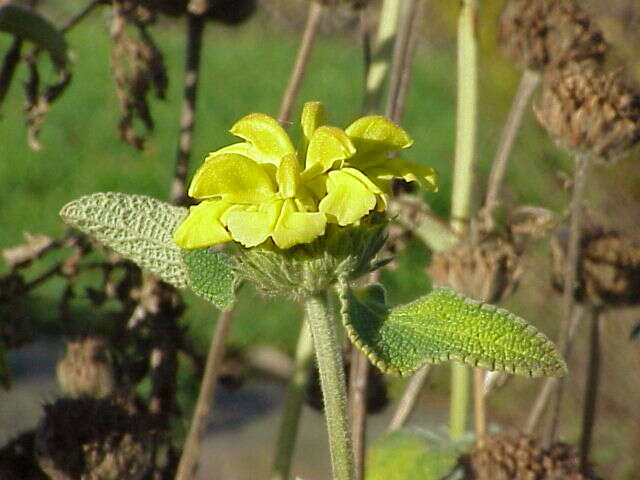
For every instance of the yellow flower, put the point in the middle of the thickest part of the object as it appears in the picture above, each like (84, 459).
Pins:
(352, 186)
(255, 190)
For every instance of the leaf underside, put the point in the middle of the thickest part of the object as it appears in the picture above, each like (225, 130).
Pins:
(441, 326)
(211, 276)
(137, 227)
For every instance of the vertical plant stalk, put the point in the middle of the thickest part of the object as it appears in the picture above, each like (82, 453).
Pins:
(329, 359)
(409, 399)
(9, 64)
(191, 451)
(528, 83)
(480, 410)
(293, 405)
(309, 35)
(358, 380)
(550, 383)
(463, 179)
(402, 58)
(592, 383)
(195, 29)
(381, 54)
(570, 282)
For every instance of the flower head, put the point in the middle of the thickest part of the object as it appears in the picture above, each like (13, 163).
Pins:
(262, 188)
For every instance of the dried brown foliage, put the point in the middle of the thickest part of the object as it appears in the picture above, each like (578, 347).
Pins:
(536, 34)
(589, 111)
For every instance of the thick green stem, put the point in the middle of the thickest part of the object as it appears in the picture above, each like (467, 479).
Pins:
(463, 176)
(293, 405)
(334, 390)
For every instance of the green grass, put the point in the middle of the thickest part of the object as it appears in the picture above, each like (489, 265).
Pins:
(243, 70)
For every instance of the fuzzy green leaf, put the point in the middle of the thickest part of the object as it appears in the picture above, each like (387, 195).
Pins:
(137, 227)
(30, 25)
(210, 276)
(445, 325)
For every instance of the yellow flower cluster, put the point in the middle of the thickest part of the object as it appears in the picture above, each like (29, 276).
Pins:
(263, 188)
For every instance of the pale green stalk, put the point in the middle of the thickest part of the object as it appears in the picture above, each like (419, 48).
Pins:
(381, 55)
(293, 405)
(463, 177)
(334, 391)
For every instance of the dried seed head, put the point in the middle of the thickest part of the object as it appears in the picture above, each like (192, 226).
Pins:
(488, 271)
(505, 457)
(93, 439)
(608, 266)
(536, 34)
(85, 369)
(589, 111)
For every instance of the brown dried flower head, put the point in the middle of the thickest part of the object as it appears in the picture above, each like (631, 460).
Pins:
(608, 266)
(589, 111)
(508, 457)
(86, 370)
(536, 34)
(488, 271)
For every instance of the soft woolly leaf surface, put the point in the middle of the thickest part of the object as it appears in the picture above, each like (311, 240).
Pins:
(210, 276)
(137, 227)
(445, 325)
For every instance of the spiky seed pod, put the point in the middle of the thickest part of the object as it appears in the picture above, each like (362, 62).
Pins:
(518, 457)
(589, 111)
(85, 369)
(608, 266)
(93, 439)
(536, 34)
(488, 271)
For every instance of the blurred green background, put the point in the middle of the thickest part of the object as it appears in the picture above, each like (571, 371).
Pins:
(245, 69)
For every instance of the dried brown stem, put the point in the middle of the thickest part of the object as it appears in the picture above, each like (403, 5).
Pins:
(409, 398)
(9, 64)
(195, 28)
(78, 17)
(592, 382)
(190, 453)
(403, 51)
(311, 28)
(528, 83)
(570, 281)
(551, 383)
(358, 381)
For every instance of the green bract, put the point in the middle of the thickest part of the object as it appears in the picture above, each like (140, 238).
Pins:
(262, 188)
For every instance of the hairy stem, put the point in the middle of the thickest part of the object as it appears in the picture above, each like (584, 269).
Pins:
(381, 55)
(302, 60)
(570, 282)
(592, 382)
(190, 453)
(409, 399)
(323, 329)
(293, 405)
(528, 83)
(463, 176)
(195, 28)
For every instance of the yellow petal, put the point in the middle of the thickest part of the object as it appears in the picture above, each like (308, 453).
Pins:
(202, 227)
(348, 199)
(251, 228)
(295, 227)
(425, 176)
(288, 176)
(328, 145)
(376, 134)
(312, 119)
(233, 178)
(265, 134)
